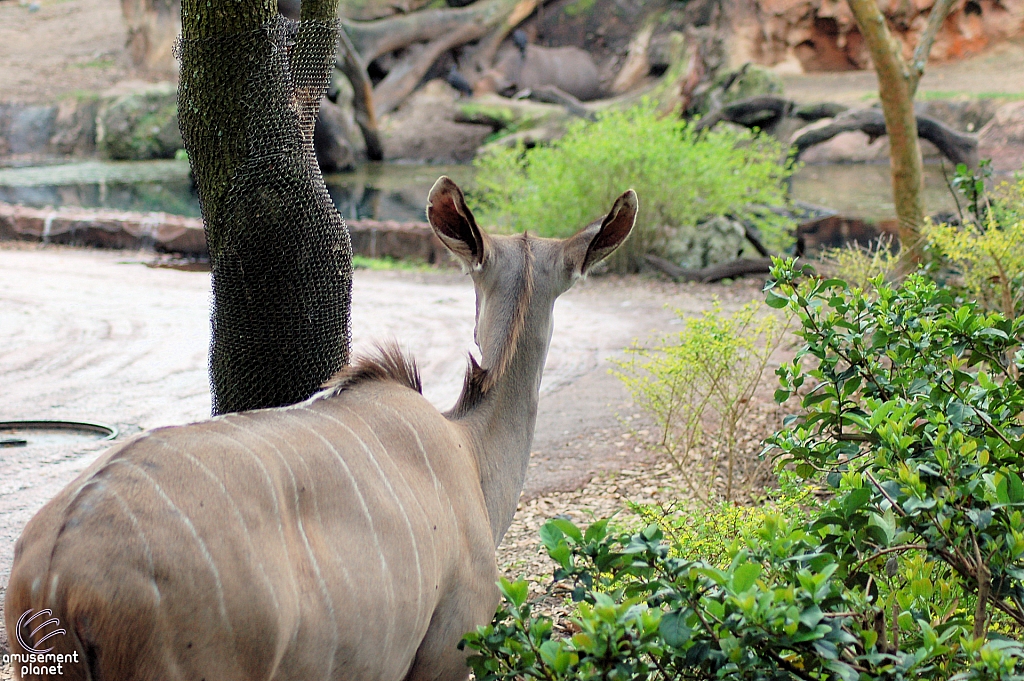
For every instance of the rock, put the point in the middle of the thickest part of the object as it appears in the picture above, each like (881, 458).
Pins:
(821, 35)
(753, 80)
(1002, 139)
(570, 69)
(714, 241)
(424, 130)
(30, 129)
(140, 124)
(75, 127)
(966, 115)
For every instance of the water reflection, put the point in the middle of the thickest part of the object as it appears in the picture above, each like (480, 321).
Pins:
(378, 192)
(398, 192)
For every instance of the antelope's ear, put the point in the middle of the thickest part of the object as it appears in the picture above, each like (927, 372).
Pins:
(598, 240)
(454, 224)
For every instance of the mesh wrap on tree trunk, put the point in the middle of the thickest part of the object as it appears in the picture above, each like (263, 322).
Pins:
(280, 252)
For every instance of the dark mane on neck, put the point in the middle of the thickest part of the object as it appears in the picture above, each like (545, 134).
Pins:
(479, 380)
(388, 363)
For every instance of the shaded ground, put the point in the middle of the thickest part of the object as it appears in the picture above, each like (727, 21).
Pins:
(97, 335)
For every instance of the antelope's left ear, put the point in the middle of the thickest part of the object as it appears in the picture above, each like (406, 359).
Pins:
(454, 224)
(598, 240)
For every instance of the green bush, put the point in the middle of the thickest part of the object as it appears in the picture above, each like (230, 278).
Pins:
(910, 413)
(986, 249)
(681, 177)
(706, 373)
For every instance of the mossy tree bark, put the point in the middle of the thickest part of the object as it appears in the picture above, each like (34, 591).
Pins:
(280, 255)
(897, 85)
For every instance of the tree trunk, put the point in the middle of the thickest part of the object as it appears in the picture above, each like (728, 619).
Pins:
(248, 97)
(354, 68)
(897, 85)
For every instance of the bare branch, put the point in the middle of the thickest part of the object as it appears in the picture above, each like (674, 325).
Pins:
(924, 45)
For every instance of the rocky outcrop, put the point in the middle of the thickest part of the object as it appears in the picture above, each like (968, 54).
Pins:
(821, 35)
(139, 123)
(67, 128)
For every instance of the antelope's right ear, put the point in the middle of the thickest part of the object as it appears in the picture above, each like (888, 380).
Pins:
(454, 224)
(599, 239)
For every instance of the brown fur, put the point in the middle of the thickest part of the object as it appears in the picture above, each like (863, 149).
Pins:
(479, 381)
(389, 363)
(351, 536)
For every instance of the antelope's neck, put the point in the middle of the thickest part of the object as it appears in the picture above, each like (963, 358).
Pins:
(501, 425)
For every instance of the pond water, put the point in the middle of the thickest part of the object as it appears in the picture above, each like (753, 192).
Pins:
(398, 192)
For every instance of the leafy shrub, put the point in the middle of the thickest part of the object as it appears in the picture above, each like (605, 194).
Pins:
(914, 414)
(987, 248)
(914, 568)
(858, 265)
(705, 374)
(681, 177)
(706, 533)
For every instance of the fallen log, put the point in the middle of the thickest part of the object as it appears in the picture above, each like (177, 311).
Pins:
(372, 39)
(407, 74)
(550, 94)
(957, 146)
(763, 111)
(709, 275)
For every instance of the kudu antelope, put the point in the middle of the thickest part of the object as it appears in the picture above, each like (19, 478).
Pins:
(350, 536)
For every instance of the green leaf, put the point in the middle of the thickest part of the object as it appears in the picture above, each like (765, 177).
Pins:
(674, 630)
(774, 300)
(596, 531)
(568, 528)
(744, 576)
(516, 592)
(550, 535)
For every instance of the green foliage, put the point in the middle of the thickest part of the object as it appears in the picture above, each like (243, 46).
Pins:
(987, 248)
(911, 414)
(858, 265)
(680, 176)
(361, 262)
(578, 7)
(706, 533)
(706, 373)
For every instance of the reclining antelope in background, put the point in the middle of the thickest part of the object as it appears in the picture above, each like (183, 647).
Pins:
(351, 536)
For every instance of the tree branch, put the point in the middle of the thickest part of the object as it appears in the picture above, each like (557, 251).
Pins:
(371, 39)
(924, 45)
(957, 146)
(405, 76)
(352, 66)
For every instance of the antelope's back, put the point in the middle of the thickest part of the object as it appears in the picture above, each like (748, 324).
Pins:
(282, 543)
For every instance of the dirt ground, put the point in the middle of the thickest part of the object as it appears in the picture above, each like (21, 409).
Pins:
(99, 336)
